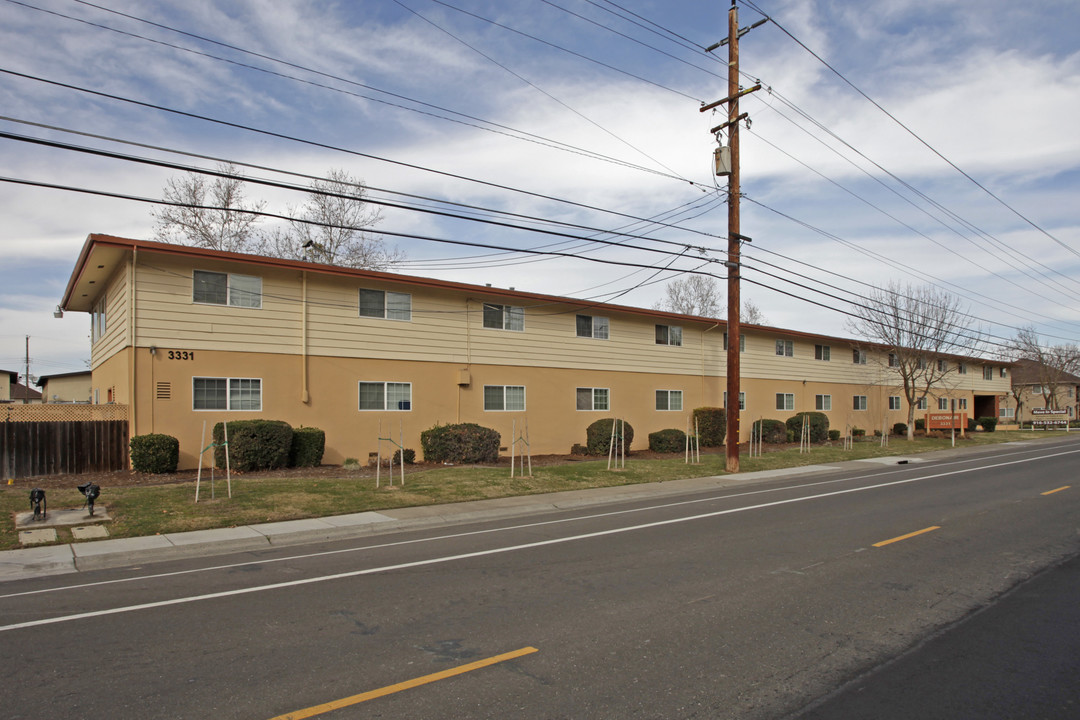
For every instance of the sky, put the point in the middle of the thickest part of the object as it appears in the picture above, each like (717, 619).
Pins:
(893, 141)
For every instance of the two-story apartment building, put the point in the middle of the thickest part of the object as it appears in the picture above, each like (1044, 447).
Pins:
(187, 336)
(1035, 387)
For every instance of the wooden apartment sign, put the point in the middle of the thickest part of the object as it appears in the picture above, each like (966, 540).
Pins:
(946, 421)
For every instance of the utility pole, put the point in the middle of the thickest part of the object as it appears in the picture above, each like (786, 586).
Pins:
(26, 377)
(728, 164)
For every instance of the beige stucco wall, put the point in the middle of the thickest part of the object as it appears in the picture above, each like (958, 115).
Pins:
(68, 389)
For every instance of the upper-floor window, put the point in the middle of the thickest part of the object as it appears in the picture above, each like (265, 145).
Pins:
(894, 360)
(668, 335)
(943, 365)
(504, 317)
(822, 352)
(210, 393)
(216, 288)
(1003, 372)
(988, 372)
(961, 368)
(97, 321)
(785, 348)
(593, 399)
(509, 398)
(858, 356)
(590, 326)
(669, 399)
(742, 342)
(785, 401)
(383, 304)
(1036, 389)
(385, 396)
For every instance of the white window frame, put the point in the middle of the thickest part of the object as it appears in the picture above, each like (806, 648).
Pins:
(669, 335)
(511, 316)
(823, 403)
(599, 327)
(785, 401)
(400, 311)
(897, 405)
(943, 403)
(742, 342)
(858, 403)
(1006, 412)
(502, 391)
(823, 353)
(1003, 371)
(229, 387)
(742, 400)
(961, 368)
(668, 396)
(988, 372)
(858, 357)
(961, 403)
(943, 365)
(785, 348)
(595, 395)
(386, 386)
(97, 320)
(921, 404)
(894, 360)
(233, 294)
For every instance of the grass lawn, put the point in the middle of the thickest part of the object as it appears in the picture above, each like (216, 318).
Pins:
(156, 509)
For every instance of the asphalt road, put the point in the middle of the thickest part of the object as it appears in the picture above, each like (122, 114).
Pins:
(753, 601)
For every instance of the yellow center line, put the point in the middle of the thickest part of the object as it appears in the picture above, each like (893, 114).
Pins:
(406, 685)
(1051, 492)
(909, 535)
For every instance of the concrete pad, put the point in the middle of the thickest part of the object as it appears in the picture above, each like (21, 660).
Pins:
(37, 537)
(62, 517)
(894, 460)
(89, 532)
(36, 562)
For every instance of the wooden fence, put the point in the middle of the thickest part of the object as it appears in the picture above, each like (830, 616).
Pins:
(62, 439)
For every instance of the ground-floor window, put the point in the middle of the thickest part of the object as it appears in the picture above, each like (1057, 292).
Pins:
(742, 398)
(669, 399)
(226, 393)
(385, 396)
(858, 402)
(785, 401)
(894, 402)
(593, 399)
(921, 405)
(823, 402)
(943, 403)
(1007, 412)
(961, 404)
(509, 398)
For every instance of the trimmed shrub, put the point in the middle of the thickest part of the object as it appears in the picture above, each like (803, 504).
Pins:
(410, 457)
(989, 424)
(920, 423)
(155, 453)
(460, 443)
(254, 444)
(834, 435)
(308, 445)
(857, 432)
(579, 449)
(598, 436)
(667, 441)
(819, 425)
(973, 423)
(772, 432)
(711, 425)
(899, 429)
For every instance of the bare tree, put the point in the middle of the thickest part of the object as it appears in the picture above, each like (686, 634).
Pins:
(918, 328)
(330, 227)
(701, 295)
(1053, 364)
(208, 212)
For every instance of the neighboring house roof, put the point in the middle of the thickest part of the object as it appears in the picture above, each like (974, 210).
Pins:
(46, 378)
(1030, 372)
(21, 392)
(102, 254)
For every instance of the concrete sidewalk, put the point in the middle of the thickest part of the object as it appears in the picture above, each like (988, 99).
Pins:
(122, 552)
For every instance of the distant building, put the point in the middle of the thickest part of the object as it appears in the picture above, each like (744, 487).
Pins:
(8, 379)
(185, 336)
(1035, 387)
(73, 387)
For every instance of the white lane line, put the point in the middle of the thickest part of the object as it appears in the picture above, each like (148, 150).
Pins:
(509, 528)
(495, 551)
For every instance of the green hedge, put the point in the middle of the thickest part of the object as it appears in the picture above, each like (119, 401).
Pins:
(989, 424)
(461, 443)
(819, 425)
(667, 441)
(899, 429)
(598, 436)
(711, 425)
(308, 446)
(410, 457)
(254, 444)
(769, 431)
(834, 434)
(155, 453)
